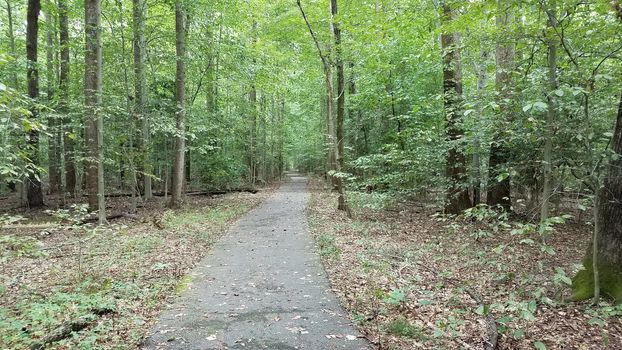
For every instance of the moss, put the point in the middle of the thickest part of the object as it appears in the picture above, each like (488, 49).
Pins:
(610, 281)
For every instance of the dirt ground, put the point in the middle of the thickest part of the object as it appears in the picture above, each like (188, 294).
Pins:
(414, 279)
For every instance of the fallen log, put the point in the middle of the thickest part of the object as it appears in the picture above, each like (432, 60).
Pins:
(65, 330)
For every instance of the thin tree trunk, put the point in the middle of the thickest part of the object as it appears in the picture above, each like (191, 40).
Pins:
(341, 98)
(551, 115)
(482, 79)
(54, 142)
(63, 82)
(12, 52)
(140, 91)
(34, 190)
(180, 113)
(499, 190)
(92, 103)
(457, 195)
(252, 99)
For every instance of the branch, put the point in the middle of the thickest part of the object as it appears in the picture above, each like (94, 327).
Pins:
(317, 43)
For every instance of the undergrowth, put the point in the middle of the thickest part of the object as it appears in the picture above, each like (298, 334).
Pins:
(51, 278)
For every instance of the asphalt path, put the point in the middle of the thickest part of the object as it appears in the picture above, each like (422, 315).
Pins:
(262, 286)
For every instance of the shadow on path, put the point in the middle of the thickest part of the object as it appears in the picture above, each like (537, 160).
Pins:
(261, 287)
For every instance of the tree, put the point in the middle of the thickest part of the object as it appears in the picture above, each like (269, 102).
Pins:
(602, 263)
(603, 259)
(63, 84)
(341, 98)
(499, 190)
(11, 37)
(180, 110)
(34, 190)
(330, 101)
(457, 196)
(54, 142)
(140, 91)
(92, 108)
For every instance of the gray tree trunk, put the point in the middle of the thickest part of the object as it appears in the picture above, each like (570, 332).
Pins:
(54, 141)
(140, 92)
(180, 113)
(33, 186)
(92, 105)
(63, 83)
(551, 115)
(341, 98)
(457, 195)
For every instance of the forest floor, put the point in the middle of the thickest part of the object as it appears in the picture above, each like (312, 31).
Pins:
(58, 275)
(414, 279)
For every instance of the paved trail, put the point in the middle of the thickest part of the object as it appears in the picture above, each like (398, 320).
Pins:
(261, 287)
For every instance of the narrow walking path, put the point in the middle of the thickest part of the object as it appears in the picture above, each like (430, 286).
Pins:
(261, 287)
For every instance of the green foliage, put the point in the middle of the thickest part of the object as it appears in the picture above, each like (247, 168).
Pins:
(327, 246)
(403, 328)
(395, 297)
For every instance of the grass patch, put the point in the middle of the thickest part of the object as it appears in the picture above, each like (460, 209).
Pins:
(327, 246)
(401, 327)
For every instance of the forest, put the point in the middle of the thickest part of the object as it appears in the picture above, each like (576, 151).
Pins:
(462, 160)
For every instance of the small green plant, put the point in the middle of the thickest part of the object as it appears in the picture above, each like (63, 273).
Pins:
(75, 215)
(403, 328)
(486, 221)
(395, 297)
(327, 246)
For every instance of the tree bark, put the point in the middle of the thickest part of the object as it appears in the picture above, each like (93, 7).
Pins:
(457, 195)
(92, 105)
(12, 52)
(140, 92)
(252, 99)
(54, 141)
(482, 80)
(499, 191)
(606, 257)
(63, 83)
(603, 258)
(551, 115)
(34, 190)
(180, 113)
(341, 98)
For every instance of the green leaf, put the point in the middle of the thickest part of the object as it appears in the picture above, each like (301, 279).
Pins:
(559, 92)
(539, 345)
(540, 105)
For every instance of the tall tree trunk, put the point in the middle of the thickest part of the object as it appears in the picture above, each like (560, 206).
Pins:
(457, 195)
(63, 82)
(341, 98)
(92, 105)
(603, 258)
(140, 92)
(34, 190)
(482, 81)
(252, 99)
(180, 113)
(499, 189)
(12, 52)
(54, 142)
(551, 115)
(604, 255)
